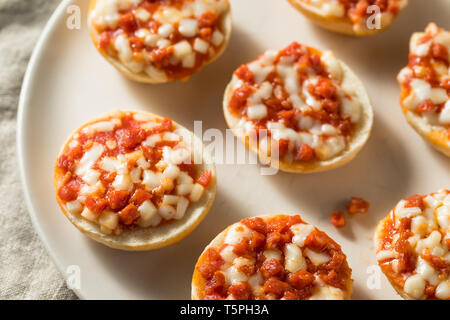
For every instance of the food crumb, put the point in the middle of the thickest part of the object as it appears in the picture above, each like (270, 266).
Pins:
(357, 205)
(338, 219)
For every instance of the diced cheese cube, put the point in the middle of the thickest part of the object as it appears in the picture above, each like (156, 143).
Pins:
(165, 30)
(189, 60)
(148, 211)
(217, 38)
(89, 215)
(201, 45)
(184, 189)
(257, 112)
(182, 49)
(167, 211)
(151, 179)
(74, 207)
(415, 286)
(182, 206)
(294, 260)
(109, 219)
(142, 14)
(197, 192)
(171, 172)
(122, 182)
(188, 27)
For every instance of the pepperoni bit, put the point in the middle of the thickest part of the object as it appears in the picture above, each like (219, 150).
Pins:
(338, 219)
(288, 118)
(129, 214)
(439, 52)
(66, 161)
(127, 22)
(241, 291)
(256, 224)
(151, 154)
(140, 196)
(213, 262)
(272, 268)
(216, 284)
(273, 240)
(160, 57)
(208, 19)
(96, 205)
(257, 241)
(117, 199)
(244, 73)
(289, 295)
(293, 50)
(281, 147)
(205, 33)
(105, 39)
(242, 248)
(415, 201)
(69, 191)
(279, 224)
(205, 178)
(324, 88)
(317, 240)
(305, 153)
(275, 286)
(300, 279)
(426, 106)
(239, 98)
(357, 205)
(136, 43)
(128, 139)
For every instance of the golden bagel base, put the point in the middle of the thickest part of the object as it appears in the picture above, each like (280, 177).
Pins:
(361, 134)
(143, 77)
(153, 237)
(341, 25)
(397, 288)
(198, 282)
(439, 139)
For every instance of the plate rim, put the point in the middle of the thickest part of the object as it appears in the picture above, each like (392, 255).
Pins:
(27, 83)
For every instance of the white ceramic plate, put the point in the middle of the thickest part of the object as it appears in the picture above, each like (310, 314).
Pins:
(68, 82)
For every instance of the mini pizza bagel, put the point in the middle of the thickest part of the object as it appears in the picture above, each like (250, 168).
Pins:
(299, 109)
(133, 180)
(351, 17)
(412, 245)
(276, 257)
(425, 86)
(159, 41)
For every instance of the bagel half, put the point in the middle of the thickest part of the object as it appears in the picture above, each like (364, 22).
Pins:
(338, 17)
(152, 226)
(412, 245)
(426, 102)
(162, 60)
(226, 268)
(352, 108)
